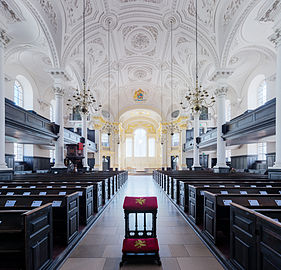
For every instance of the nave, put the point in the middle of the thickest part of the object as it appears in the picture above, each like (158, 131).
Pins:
(180, 247)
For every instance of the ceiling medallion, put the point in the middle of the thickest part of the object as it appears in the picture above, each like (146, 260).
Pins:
(140, 41)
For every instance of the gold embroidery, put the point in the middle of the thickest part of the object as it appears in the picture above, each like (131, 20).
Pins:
(141, 201)
(140, 244)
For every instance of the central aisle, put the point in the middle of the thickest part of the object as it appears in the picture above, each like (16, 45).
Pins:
(180, 248)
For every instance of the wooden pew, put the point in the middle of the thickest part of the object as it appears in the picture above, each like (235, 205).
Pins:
(65, 212)
(26, 238)
(97, 188)
(217, 211)
(184, 187)
(86, 200)
(196, 197)
(255, 238)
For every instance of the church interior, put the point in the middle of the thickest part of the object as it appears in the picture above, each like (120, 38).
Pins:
(140, 134)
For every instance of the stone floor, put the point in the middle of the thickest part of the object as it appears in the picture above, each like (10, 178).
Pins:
(180, 248)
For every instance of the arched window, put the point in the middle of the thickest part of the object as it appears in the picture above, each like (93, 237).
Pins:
(18, 151)
(176, 139)
(257, 92)
(23, 92)
(105, 140)
(18, 93)
(262, 151)
(140, 143)
(261, 93)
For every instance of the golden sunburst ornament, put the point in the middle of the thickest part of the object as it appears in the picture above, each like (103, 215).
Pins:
(140, 244)
(140, 201)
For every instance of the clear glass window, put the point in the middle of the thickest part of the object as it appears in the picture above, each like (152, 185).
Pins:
(140, 143)
(18, 151)
(262, 151)
(262, 91)
(176, 139)
(105, 140)
(18, 94)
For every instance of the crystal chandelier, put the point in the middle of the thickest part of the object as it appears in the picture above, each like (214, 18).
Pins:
(84, 99)
(198, 97)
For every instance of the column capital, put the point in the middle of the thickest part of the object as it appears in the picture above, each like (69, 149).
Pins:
(58, 90)
(4, 39)
(221, 91)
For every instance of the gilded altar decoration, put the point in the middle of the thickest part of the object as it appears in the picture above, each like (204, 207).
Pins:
(140, 201)
(140, 243)
(139, 95)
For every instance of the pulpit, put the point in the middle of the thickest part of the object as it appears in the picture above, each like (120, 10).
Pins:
(75, 154)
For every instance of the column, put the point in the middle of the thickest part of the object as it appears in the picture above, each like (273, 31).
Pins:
(183, 154)
(3, 166)
(59, 145)
(221, 145)
(275, 171)
(164, 151)
(196, 164)
(85, 135)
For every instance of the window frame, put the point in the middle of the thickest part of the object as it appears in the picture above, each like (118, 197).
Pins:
(18, 94)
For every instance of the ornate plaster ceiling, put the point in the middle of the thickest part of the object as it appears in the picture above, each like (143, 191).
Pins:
(140, 47)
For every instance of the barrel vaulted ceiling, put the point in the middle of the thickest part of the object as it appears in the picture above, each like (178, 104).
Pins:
(47, 34)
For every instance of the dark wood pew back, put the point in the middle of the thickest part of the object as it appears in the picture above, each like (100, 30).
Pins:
(65, 211)
(26, 238)
(217, 210)
(255, 239)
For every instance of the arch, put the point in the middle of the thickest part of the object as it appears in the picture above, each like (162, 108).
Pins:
(27, 92)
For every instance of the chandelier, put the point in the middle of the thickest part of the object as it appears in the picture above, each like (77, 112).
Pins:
(198, 97)
(84, 99)
(171, 127)
(109, 127)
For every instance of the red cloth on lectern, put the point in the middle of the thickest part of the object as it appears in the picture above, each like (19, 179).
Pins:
(140, 203)
(140, 245)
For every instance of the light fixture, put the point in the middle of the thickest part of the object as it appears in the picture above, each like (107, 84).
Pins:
(83, 99)
(172, 127)
(197, 98)
(118, 88)
(108, 125)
